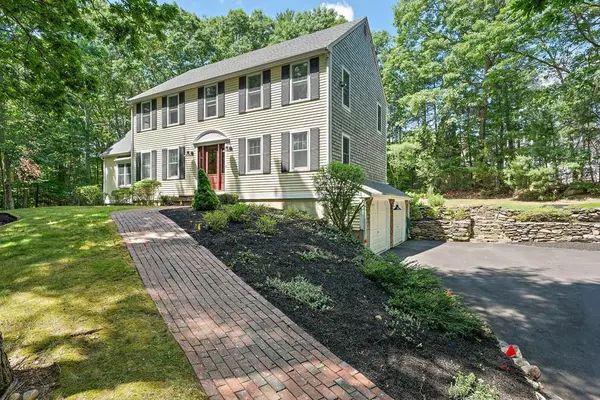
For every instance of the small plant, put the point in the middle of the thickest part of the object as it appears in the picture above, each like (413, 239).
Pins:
(317, 254)
(415, 211)
(545, 214)
(337, 186)
(247, 257)
(89, 195)
(458, 214)
(266, 225)
(144, 192)
(303, 291)
(216, 220)
(228, 198)
(258, 210)
(121, 196)
(166, 200)
(469, 387)
(205, 198)
(433, 199)
(238, 213)
(294, 214)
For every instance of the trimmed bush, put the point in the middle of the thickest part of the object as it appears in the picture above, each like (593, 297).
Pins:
(228, 198)
(89, 195)
(266, 225)
(145, 191)
(216, 220)
(238, 212)
(545, 214)
(121, 196)
(205, 198)
(303, 291)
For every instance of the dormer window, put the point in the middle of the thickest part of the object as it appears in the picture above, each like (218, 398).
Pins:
(300, 87)
(210, 101)
(173, 109)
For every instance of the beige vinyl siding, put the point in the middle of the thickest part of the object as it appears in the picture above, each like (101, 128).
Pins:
(110, 177)
(273, 121)
(367, 146)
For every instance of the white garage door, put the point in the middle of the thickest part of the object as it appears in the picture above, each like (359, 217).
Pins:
(380, 225)
(400, 223)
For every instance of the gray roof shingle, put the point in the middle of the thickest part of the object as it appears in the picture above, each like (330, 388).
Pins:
(385, 189)
(278, 52)
(123, 146)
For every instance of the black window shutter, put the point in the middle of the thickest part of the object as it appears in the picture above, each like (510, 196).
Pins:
(314, 148)
(138, 167)
(164, 112)
(154, 112)
(181, 108)
(314, 78)
(285, 85)
(221, 99)
(201, 104)
(242, 94)
(138, 117)
(153, 165)
(182, 162)
(242, 156)
(266, 89)
(266, 154)
(285, 152)
(165, 160)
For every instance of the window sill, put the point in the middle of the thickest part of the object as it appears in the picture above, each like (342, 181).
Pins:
(255, 109)
(347, 108)
(257, 172)
(303, 169)
(211, 117)
(145, 130)
(124, 186)
(301, 100)
(170, 125)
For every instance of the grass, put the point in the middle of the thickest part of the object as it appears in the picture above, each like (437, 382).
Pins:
(511, 204)
(70, 296)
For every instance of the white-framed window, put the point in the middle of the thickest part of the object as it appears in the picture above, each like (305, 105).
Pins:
(146, 111)
(299, 149)
(300, 87)
(254, 91)
(346, 149)
(210, 101)
(173, 105)
(146, 168)
(379, 118)
(254, 155)
(124, 174)
(173, 163)
(345, 87)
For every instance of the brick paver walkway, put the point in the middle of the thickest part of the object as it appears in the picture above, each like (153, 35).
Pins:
(238, 343)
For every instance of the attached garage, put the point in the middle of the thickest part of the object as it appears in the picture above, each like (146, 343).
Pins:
(384, 215)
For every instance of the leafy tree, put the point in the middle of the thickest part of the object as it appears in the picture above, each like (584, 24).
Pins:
(337, 186)
(205, 198)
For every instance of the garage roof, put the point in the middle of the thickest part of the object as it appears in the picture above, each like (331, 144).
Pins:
(123, 146)
(382, 189)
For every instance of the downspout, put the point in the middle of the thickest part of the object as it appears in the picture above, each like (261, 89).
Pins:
(329, 107)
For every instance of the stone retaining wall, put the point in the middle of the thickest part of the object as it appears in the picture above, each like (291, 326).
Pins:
(484, 224)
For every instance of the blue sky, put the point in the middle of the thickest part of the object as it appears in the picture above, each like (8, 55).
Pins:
(379, 12)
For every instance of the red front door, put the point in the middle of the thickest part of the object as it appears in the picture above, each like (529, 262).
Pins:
(211, 160)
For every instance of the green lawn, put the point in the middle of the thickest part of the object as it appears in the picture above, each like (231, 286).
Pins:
(65, 271)
(511, 204)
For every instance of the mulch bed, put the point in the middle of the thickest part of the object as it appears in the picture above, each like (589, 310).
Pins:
(407, 361)
(6, 218)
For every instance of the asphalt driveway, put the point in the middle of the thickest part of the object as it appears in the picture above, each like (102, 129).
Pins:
(546, 300)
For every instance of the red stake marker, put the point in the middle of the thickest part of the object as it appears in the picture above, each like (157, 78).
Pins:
(510, 352)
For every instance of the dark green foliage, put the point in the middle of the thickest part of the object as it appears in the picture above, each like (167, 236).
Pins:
(205, 198)
(144, 192)
(166, 200)
(545, 214)
(216, 220)
(90, 195)
(266, 225)
(228, 198)
(238, 213)
(121, 196)
(419, 293)
(337, 186)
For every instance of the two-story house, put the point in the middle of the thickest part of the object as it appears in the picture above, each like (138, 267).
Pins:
(260, 125)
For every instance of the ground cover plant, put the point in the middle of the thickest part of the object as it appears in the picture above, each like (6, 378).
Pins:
(76, 319)
(313, 272)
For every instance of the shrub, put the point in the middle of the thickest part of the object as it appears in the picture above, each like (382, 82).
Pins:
(238, 212)
(293, 213)
(418, 293)
(301, 290)
(266, 225)
(458, 214)
(337, 186)
(432, 212)
(258, 210)
(415, 211)
(545, 214)
(468, 387)
(145, 191)
(89, 195)
(166, 200)
(121, 196)
(433, 199)
(582, 188)
(228, 198)
(205, 198)
(216, 220)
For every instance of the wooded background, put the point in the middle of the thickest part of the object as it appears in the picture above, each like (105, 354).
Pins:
(483, 95)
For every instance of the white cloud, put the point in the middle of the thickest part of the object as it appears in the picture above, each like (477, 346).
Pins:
(342, 8)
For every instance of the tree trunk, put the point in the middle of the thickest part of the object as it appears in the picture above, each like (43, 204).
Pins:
(6, 373)
(9, 203)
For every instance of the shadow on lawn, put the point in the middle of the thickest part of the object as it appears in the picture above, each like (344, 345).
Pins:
(557, 324)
